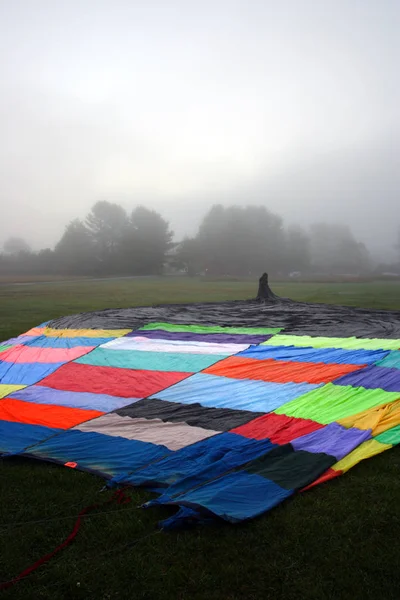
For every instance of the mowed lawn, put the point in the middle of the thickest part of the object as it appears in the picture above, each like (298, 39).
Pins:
(340, 540)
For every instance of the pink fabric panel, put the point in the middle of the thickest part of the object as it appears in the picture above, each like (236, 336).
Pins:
(28, 354)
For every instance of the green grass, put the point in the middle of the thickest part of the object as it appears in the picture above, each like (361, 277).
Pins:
(337, 541)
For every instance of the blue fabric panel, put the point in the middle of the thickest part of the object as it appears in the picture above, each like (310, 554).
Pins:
(235, 497)
(198, 463)
(15, 437)
(312, 355)
(43, 341)
(25, 373)
(107, 455)
(245, 394)
(373, 377)
(86, 400)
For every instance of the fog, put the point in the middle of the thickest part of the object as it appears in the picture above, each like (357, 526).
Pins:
(181, 104)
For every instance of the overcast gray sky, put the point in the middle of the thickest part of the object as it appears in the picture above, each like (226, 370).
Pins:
(181, 103)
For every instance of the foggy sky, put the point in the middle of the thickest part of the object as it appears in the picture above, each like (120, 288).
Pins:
(179, 104)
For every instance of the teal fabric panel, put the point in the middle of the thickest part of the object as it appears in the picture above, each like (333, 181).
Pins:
(150, 361)
(391, 361)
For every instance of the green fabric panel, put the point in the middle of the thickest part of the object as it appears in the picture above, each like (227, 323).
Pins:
(149, 361)
(2, 348)
(211, 329)
(350, 343)
(392, 360)
(391, 436)
(332, 402)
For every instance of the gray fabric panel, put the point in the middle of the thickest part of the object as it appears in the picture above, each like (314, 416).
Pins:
(297, 318)
(171, 435)
(220, 419)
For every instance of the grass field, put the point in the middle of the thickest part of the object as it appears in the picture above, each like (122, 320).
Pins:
(337, 541)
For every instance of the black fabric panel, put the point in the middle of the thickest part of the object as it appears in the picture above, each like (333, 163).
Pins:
(218, 419)
(291, 469)
(297, 318)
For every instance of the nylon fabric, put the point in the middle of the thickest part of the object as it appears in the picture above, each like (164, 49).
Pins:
(235, 497)
(391, 360)
(41, 341)
(350, 343)
(26, 354)
(210, 329)
(150, 361)
(373, 377)
(17, 437)
(102, 454)
(210, 338)
(6, 390)
(125, 383)
(59, 417)
(336, 356)
(280, 429)
(366, 450)
(327, 476)
(45, 395)
(279, 371)
(333, 439)
(196, 463)
(391, 436)
(221, 392)
(219, 419)
(95, 333)
(334, 402)
(25, 373)
(160, 345)
(377, 419)
(173, 436)
(291, 470)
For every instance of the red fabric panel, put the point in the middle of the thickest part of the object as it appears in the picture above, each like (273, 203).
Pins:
(279, 371)
(125, 383)
(327, 476)
(280, 429)
(48, 415)
(30, 354)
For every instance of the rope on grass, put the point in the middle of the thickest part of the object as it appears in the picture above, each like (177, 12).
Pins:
(119, 496)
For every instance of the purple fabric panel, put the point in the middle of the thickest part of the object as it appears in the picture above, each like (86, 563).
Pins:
(22, 339)
(333, 439)
(222, 338)
(373, 377)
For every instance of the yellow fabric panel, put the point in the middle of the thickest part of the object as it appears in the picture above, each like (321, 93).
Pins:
(6, 389)
(378, 419)
(365, 450)
(95, 333)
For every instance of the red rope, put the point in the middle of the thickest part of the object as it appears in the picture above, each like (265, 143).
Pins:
(119, 496)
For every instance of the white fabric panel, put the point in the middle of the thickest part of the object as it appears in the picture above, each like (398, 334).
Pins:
(155, 345)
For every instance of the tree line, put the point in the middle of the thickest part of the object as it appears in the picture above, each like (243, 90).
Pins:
(231, 240)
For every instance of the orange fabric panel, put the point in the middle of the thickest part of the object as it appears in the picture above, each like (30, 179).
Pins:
(378, 419)
(35, 331)
(49, 415)
(279, 371)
